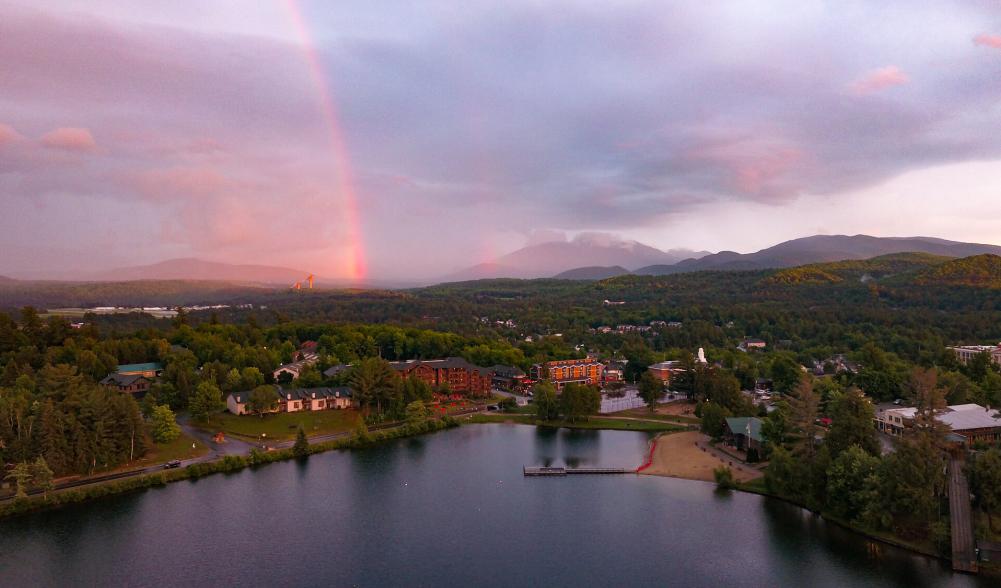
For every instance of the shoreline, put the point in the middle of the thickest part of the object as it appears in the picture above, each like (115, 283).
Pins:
(35, 503)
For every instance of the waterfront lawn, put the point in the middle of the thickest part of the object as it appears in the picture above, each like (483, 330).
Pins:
(645, 413)
(591, 423)
(179, 448)
(284, 425)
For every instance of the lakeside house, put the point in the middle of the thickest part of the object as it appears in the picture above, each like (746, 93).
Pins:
(743, 433)
(970, 423)
(296, 399)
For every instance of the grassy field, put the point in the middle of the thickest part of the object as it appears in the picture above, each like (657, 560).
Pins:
(591, 423)
(645, 413)
(282, 426)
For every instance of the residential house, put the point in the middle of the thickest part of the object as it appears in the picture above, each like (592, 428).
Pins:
(134, 384)
(297, 399)
(293, 370)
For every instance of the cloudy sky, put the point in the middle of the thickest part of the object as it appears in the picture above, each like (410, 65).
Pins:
(400, 138)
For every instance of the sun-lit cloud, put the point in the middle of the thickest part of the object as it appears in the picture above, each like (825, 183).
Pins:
(69, 139)
(988, 40)
(468, 132)
(8, 134)
(878, 80)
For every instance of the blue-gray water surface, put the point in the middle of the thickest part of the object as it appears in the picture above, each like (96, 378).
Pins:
(451, 509)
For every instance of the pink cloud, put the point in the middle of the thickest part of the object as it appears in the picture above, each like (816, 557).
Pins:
(988, 40)
(69, 139)
(878, 80)
(8, 134)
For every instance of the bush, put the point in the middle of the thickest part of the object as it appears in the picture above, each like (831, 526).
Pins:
(724, 478)
(752, 455)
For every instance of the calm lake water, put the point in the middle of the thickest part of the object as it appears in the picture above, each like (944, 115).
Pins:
(451, 509)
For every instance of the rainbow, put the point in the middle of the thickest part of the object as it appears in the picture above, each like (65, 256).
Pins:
(355, 265)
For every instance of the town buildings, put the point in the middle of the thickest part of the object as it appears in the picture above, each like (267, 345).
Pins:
(458, 374)
(967, 352)
(970, 422)
(296, 399)
(666, 370)
(569, 371)
(509, 378)
(752, 344)
(291, 371)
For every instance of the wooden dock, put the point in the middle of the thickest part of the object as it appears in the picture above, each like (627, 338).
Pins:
(964, 556)
(563, 471)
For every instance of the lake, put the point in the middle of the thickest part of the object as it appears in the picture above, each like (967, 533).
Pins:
(451, 509)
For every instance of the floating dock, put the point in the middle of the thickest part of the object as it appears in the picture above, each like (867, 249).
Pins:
(562, 471)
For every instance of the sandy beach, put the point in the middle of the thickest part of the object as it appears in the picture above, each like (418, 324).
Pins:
(678, 456)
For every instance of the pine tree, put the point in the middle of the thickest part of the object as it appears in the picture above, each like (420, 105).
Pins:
(301, 446)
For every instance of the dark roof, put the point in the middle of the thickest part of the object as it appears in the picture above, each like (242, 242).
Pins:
(335, 369)
(299, 393)
(507, 371)
(447, 363)
(748, 426)
(117, 379)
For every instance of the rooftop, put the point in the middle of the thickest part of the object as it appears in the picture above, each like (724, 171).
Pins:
(153, 366)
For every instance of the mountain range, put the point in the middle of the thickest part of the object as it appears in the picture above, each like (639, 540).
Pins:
(820, 249)
(545, 260)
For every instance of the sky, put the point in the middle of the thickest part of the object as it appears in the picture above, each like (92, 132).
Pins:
(393, 139)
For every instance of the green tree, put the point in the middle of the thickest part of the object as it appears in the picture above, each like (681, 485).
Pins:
(301, 447)
(374, 382)
(262, 399)
(546, 404)
(803, 429)
(724, 478)
(713, 419)
(985, 480)
(206, 402)
(415, 388)
(651, 389)
(848, 494)
(852, 418)
(786, 373)
(579, 401)
(417, 413)
(41, 475)
(21, 475)
(163, 425)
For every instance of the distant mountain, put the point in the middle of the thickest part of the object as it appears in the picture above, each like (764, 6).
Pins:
(587, 250)
(983, 271)
(6, 279)
(858, 270)
(592, 272)
(198, 269)
(821, 249)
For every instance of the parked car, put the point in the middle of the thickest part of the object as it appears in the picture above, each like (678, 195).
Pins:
(174, 463)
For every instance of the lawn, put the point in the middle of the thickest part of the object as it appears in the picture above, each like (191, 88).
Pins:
(591, 423)
(646, 413)
(179, 448)
(282, 426)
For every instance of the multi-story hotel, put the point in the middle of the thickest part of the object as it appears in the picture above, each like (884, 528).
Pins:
(569, 371)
